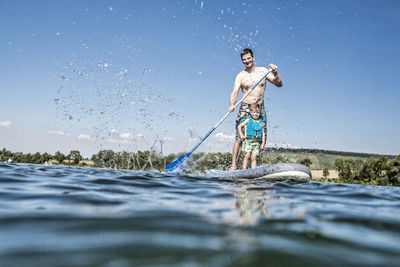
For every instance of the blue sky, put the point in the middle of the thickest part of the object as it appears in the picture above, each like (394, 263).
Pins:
(129, 75)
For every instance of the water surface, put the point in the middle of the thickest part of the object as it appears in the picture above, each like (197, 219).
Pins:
(63, 216)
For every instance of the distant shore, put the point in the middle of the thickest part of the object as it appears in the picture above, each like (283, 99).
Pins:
(333, 174)
(326, 166)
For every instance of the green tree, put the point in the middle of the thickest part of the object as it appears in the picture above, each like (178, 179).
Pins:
(305, 161)
(345, 168)
(104, 158)
(325, 172)
(7, 153)
(75, 156)
(60, 157)
(158, 161)
(45, 157)
(27, 158)
(18, 157)
(36, 158)
(143, 158)
(393, 172)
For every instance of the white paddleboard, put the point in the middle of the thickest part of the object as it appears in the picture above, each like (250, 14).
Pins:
(274, 172)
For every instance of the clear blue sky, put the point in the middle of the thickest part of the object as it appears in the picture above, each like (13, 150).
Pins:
(93, 75)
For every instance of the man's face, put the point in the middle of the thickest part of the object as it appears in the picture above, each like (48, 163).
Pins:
(247, 60)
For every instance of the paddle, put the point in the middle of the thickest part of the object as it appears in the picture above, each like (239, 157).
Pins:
(179, 164)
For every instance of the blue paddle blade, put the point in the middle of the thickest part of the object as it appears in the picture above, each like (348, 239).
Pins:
(179, 164)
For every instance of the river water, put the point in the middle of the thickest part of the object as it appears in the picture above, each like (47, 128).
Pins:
(69, 216)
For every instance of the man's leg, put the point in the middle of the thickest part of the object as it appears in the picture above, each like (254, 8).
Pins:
(237, 147)
(244, 112)
(264, 118)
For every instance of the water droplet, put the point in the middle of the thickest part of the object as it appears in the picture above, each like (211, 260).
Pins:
(148, 99)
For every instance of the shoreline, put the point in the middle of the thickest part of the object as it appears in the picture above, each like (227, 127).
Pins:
(333, 174)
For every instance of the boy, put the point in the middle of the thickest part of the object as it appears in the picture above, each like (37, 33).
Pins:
(253, 135)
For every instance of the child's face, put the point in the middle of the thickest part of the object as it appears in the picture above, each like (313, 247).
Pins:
(255, 114)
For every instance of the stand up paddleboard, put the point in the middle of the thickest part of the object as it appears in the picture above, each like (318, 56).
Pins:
(275, 172)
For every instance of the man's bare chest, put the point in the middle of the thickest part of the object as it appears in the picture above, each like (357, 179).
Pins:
(249, 80)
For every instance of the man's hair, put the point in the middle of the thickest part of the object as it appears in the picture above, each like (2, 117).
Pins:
(246, 51)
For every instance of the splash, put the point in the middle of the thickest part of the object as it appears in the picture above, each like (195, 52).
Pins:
(111, 97)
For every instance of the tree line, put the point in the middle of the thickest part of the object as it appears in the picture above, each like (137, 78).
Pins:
(374, 170)
(153, 160)
(73, 158)
(327, 152)
(140, 160)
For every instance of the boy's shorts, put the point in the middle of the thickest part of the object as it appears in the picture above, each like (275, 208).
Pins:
(251, 146)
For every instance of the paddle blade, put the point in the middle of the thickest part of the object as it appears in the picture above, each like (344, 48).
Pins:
(179, 164)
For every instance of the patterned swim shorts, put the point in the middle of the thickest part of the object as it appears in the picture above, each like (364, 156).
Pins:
(251, 146)
(244, 113)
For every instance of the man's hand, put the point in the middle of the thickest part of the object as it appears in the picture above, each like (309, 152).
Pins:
(231, 108)
(276, 79)
(273, 68)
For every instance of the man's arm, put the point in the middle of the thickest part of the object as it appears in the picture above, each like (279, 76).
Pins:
(274, 77)
(234, 94)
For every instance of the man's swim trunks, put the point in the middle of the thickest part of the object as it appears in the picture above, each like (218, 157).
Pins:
(251, 146)
(244, 113)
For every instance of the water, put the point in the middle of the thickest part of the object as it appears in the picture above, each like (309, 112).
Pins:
(63, 216)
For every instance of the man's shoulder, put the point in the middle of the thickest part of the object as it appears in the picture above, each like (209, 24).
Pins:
(241, 73)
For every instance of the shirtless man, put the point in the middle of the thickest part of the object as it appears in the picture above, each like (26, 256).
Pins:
(245, 80)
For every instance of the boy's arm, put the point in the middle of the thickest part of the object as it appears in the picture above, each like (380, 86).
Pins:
(263, 139)
(240, 127)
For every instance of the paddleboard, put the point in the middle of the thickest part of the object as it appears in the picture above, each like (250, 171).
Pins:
(274, 172)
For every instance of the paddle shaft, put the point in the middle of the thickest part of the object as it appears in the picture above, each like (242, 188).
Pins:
(227, 114)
